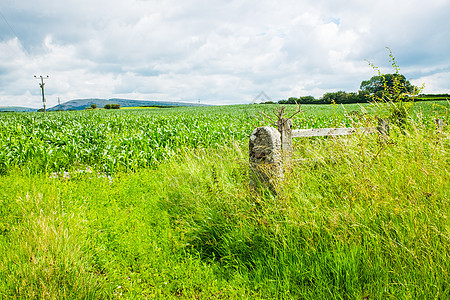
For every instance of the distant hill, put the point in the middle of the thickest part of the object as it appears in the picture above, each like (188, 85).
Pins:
(81, 104)
(16, 108)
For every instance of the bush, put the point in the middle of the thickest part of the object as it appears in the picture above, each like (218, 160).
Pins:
(396, 91)
(112, 106)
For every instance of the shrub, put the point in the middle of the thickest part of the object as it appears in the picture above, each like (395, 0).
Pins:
(112, 106)
(396, 92)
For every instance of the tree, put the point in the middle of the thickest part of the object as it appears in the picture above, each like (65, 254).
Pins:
(94, 106)
(394, 90)
(300, 100)
(336, 97)
(112, 106)
(342, 97)
(379, 83)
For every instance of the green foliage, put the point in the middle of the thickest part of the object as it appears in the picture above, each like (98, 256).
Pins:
(379, 83)
(93, 106)
(300, 100)
(339, 97)
(112, 106)
(386, 87)
(95, 238)
(111, 141)
(348, 222)
(128, 140)
(342, 97)
(394, 90)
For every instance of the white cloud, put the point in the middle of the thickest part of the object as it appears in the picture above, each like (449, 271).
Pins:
(217, 51)
(434, 84)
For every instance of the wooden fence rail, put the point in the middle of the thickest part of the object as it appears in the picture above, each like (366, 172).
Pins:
(271, 149)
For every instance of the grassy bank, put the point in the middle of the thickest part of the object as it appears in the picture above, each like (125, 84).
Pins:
(355, 218)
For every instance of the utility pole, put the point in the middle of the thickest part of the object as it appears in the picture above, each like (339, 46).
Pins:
(59, 104)
(42, 87)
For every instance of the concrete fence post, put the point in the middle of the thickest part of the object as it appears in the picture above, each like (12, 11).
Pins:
(439, 124)
(265, 157)
(383, 127)
(286, 141)
(270, 149)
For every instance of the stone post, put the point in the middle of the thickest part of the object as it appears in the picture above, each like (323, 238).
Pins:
(439, 124)
(286, 142)
(383, 127)
(266, 166)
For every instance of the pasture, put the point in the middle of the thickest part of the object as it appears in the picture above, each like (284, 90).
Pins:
(157, 204)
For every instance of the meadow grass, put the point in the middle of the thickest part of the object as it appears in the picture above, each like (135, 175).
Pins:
(90, 237)
(356, 217)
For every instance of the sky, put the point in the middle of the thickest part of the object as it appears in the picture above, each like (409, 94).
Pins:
(215, 51)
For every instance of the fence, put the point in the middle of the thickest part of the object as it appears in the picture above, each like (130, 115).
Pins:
(270, 149)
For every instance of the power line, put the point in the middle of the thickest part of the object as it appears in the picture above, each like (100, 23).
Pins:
(9, 25)
(13, 32)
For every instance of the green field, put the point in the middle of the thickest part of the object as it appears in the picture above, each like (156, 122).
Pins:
(156, 203)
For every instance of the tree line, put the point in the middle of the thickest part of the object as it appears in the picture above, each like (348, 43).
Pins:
(369, 89)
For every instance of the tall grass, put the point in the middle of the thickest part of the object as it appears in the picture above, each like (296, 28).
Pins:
(89, 237)
(356, 217)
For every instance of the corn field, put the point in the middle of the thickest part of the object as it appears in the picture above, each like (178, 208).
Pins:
(126, 140)
(108, 141)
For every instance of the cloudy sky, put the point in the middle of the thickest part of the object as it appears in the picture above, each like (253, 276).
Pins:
(215, 51)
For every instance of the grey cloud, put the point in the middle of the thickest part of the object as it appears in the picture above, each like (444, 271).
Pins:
(217, 50)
